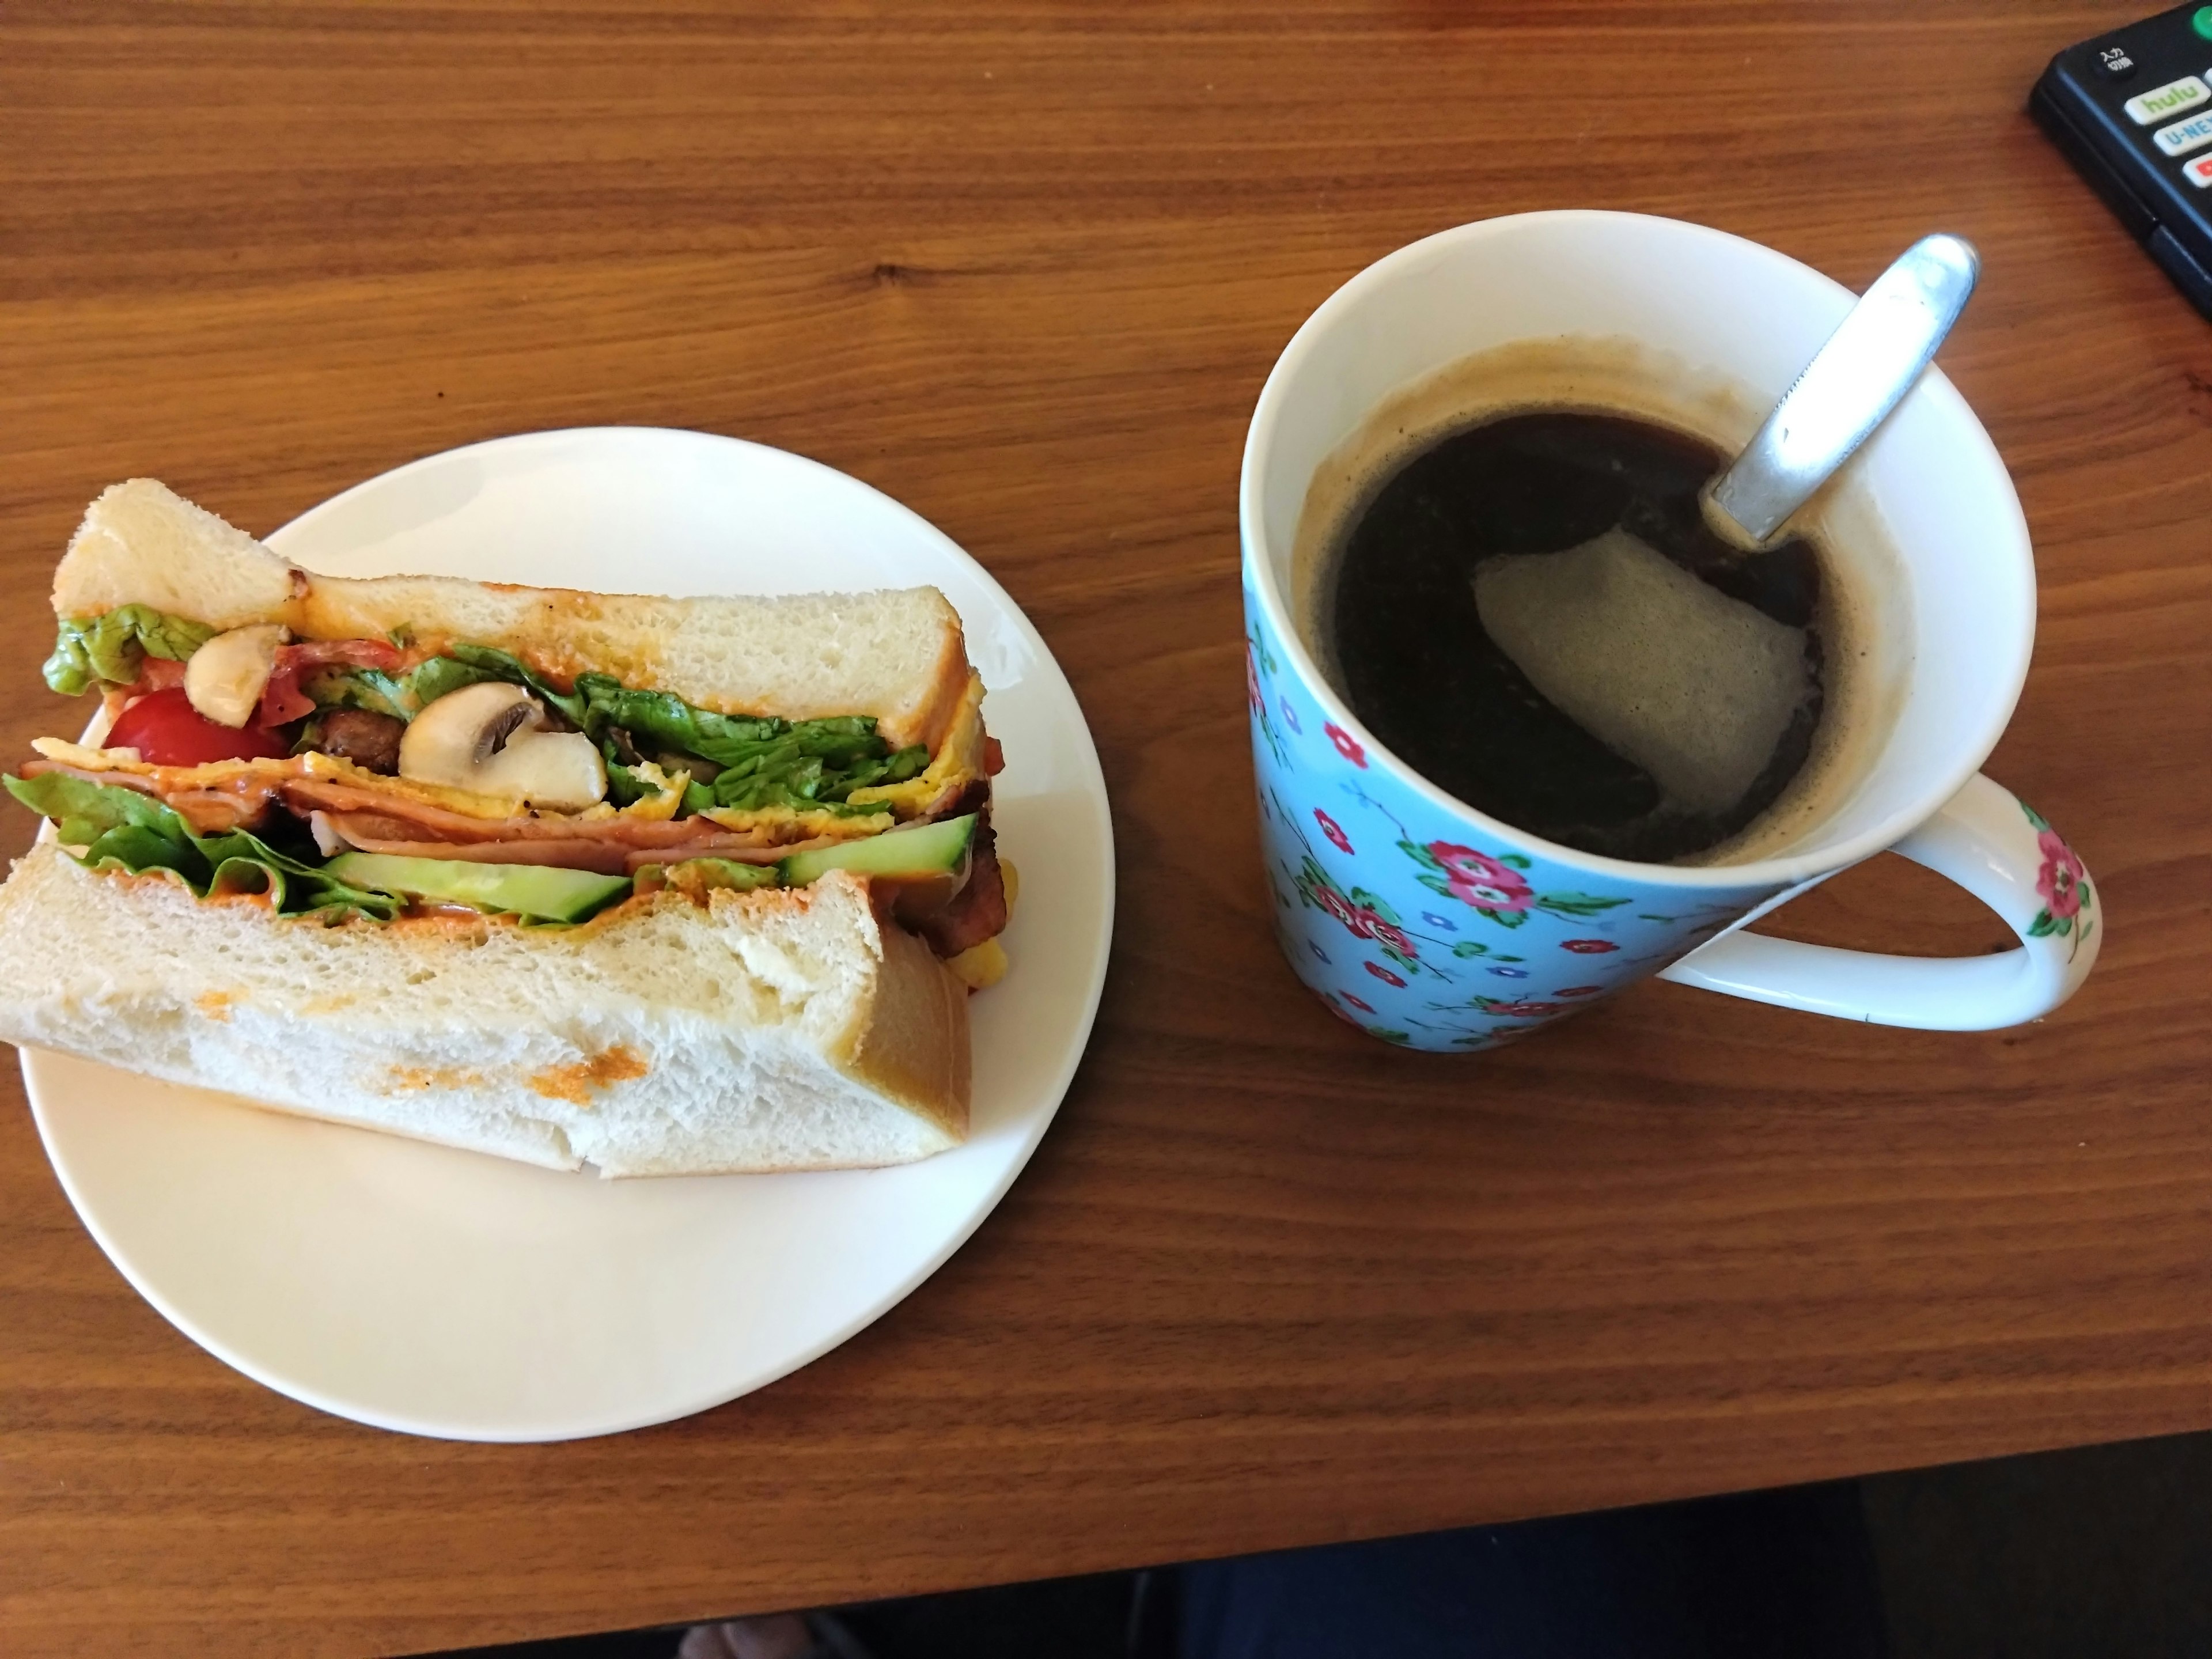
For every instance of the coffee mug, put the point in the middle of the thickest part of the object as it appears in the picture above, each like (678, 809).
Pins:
(1432, 925)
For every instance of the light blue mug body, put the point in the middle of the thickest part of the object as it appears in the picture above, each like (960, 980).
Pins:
(1425, 926)
(1430, 924)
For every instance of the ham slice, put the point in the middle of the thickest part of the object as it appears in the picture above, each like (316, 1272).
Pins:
(243, 804)
(397, 814)
(609, 853)
(345, 815)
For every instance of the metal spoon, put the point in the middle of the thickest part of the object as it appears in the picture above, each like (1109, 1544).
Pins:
(1848, 388)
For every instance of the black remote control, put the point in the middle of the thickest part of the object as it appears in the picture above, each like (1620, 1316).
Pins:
(2133, 111)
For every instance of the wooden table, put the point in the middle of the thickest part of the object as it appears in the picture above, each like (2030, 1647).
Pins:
(1268, 1283)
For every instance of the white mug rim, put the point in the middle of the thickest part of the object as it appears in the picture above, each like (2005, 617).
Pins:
(1782, 871)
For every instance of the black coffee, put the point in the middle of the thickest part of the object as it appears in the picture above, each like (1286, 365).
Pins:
(1533, 614)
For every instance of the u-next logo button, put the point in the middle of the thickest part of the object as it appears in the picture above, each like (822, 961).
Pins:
(2171, 99)
(2184, 135)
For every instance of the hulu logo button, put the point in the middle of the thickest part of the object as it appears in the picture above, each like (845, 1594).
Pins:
(2171, 99)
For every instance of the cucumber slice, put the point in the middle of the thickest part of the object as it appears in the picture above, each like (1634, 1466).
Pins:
(928, 849)
(541, 891)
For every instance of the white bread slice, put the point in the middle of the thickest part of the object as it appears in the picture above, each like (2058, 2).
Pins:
(779, 1029)
(897, 654)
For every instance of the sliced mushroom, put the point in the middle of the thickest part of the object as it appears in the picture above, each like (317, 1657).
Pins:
(559, 770)
(490, 737)
(226, 677)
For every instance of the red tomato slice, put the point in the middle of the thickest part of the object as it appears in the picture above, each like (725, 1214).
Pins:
(165, 730)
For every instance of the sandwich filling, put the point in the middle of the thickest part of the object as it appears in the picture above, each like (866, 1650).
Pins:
(304, 773)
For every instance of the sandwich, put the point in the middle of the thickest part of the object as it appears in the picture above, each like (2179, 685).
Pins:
(661, 885)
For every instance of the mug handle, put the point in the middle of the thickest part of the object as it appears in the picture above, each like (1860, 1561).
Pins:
(1995, 846)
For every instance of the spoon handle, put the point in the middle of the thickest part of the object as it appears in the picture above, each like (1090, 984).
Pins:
(1869, 363)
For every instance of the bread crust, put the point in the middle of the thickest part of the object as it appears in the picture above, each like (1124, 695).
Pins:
(913, 1047)
(391, 1028)
(897, 654)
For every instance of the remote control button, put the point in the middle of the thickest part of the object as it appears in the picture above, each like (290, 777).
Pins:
(2199, 172)
(2171, 99)
(2184, 135)
(2116, 63)
(2201, 21)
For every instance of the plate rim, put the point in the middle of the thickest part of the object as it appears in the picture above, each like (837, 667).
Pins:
(1092, 784)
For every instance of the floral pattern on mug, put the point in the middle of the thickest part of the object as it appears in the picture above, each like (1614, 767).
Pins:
(1393, 906)
(1522, 1010)
(1368, 916)
(2064, 883)
(1495, 887)
(1258, 660)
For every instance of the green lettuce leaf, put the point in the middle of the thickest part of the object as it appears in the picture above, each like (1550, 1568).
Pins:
(112, 647)
(762, 762)
(756, 762)
(486, 664)
(338, 686)
(122, 828)
(404, 695)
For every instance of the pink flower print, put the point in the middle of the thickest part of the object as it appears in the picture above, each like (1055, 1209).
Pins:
(1527, 1010)
(1390, 937)
(1589, 947)
(1579, 991)
(1364, 1007)
(1384, 975)
(1479, 879)
(1342, 909)
(1252, 680)
(1347, 745)
(2060, 879)
(1334, 831)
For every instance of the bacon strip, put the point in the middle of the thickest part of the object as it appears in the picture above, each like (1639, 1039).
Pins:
(156, 674)
(978, 910)
(282, 700)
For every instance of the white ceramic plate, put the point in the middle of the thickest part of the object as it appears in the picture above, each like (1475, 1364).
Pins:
(445, 1293)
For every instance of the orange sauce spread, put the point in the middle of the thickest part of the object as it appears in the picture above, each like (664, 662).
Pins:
(576, 1082)
(415, 1078)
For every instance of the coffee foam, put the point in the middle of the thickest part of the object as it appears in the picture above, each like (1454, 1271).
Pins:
(1863, 620)
(1695, 687)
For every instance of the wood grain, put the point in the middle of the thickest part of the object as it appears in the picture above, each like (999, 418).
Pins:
(1024, 267)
